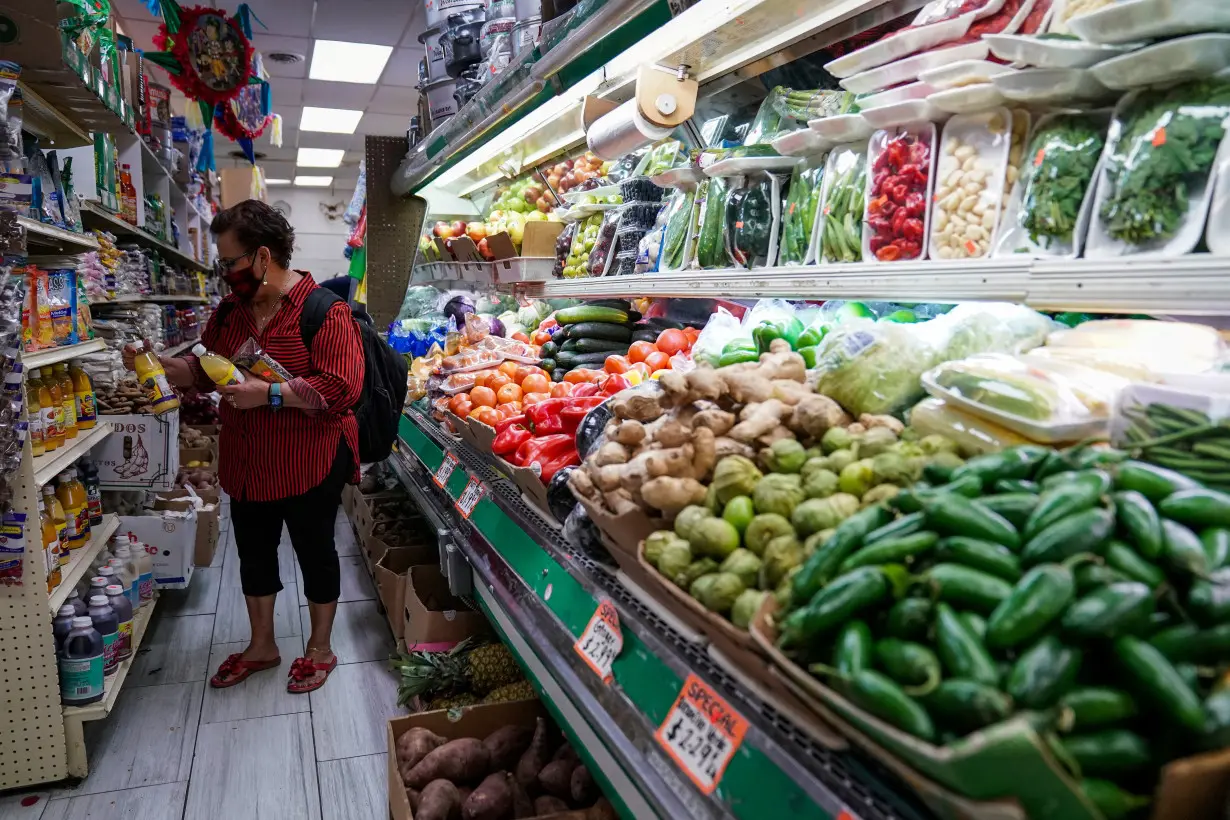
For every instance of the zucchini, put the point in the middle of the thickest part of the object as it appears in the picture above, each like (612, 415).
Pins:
(586, 313)
(600, 330)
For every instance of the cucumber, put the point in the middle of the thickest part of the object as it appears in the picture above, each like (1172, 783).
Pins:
(600, 330)
(616, 304)
(548, 365)
(586, 313)
(548, 350)
(569, 360)
(664, 324)
(588, 345)
(648, 335)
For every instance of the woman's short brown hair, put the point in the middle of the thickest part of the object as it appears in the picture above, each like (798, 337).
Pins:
(255, 225)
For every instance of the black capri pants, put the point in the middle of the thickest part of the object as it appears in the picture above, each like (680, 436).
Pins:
(309, 518)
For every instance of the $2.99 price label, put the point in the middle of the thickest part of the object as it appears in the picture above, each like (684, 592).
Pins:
(702, 733)
(470, 497)
(445, 470)
(602, 640)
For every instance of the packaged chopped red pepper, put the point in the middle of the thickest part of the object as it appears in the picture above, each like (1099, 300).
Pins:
(898, 190)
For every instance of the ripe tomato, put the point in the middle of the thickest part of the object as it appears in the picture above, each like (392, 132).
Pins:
(480, 379)
(658, 361)
(521, 337)
(672, 341)
(457, 402)
(617, 364)
(582, 375)
(540, 337)
(497, 380)
(536, 383)
(561, 389)
(507, 393)
(487, 415)
(692, 333)
(640, 351)
(530, 399)
(509, 369)
(509, 409)
(482, 397)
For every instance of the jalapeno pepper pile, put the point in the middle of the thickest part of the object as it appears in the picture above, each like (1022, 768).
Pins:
(897, 207)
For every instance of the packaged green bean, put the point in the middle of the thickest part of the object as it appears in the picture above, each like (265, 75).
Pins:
(845, 179)
(799, 216)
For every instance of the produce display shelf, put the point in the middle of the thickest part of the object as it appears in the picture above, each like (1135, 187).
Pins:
(42, 358)
(1194, 284)
(75, 716)
(93, 212)
(49, 465)
(541, 592)
(43, 238)
(71, 573)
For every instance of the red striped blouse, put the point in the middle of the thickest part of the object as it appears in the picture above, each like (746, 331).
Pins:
(267, 455)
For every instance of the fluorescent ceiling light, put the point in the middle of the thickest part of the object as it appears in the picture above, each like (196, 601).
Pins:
(330, 120)
(348, 62)
(313, 182)
(319, 157)
(269, 181)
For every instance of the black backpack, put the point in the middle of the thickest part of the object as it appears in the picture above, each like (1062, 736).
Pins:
(379, 407)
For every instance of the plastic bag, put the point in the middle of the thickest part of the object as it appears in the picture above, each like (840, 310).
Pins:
(710, 247)
(973, 435)
(252, 358)
(679, 217)
(664, 156)
(786, 109)
(799, 215)
(870, 367)
(991, 327)
(969, 184)
(563, 245)
(1171, 347)
(749, 222)
(721, 329)
(845, 182)
(12, 157)
(901, 162)
(602, 253)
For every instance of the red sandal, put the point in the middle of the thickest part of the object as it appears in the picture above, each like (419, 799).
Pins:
(235, 670)
(304, 677)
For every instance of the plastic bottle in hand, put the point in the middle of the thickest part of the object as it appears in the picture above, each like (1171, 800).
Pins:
(219, 368)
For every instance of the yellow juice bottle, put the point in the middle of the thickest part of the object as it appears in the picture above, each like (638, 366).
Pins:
(68, 397)
(83, 392)
(71, 494)
(57, 517)
(218, 368)
(50, 410)
(154, 379)
(35, 416)
(51, 546)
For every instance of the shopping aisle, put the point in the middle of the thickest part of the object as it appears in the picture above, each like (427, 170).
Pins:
(175, 748)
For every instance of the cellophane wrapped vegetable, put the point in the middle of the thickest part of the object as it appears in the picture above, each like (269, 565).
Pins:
(710, 250)
(841, 237)
(674, 239)
(749, 222)
(1163, 144)
(897, 192)
(785, 110)
(563, 247)
(799, 216)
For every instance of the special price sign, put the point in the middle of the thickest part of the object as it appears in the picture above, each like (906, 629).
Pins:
(702, 733)
(470, 497)
(602, 640)
(445, 470)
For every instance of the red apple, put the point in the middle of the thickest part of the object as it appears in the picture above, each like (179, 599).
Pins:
(483, 250)
(458, 228)
(442, 229)
(553, 179)
(545, 204)
(476, 231)
(532, 193)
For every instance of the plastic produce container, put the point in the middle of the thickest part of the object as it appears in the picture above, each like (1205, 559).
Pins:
(969, 184)
(908, 153)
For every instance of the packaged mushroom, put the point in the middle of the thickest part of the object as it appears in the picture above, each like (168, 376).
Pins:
(969, 184)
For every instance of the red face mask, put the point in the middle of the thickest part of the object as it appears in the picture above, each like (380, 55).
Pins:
(243, 281)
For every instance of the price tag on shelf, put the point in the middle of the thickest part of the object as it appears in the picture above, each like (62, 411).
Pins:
(445, 470)
(702, 733)
(470, 497)
(602, 640)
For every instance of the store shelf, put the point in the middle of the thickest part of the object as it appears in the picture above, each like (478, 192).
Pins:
(157, 297)
(49, 465)
(42, 358)
(113, 684)
(96, 216)
(43, 238)
(540, 594)
(42, 119)
(72, 572)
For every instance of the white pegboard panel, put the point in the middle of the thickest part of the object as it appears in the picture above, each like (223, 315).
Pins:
(32, 747)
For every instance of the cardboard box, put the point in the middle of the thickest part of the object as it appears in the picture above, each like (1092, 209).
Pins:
(435, 620)
(348, 500)
(390, 577)
(208, 521)
(141, 453)
(363, 512)
(208, 456)
(238, 184)
(474, 721)
(173, 534)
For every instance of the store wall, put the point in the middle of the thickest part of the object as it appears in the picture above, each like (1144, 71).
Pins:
(319, 241)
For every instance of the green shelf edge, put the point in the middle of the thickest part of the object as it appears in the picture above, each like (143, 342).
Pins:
(752, 787)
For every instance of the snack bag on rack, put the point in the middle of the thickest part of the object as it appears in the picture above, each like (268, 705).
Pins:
(62, 298)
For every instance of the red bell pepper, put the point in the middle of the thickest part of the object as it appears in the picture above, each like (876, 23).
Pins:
(569, 458)
(542, 448)
(544, 417)
(510, 438)
(616, 383)
(585, 390)
(504, 424)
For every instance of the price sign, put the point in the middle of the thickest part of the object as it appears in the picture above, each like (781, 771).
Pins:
(602, 640)
(470, 497)
(445, 470)
(702, 733)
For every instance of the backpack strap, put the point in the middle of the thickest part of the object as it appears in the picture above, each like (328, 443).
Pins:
(315, 310)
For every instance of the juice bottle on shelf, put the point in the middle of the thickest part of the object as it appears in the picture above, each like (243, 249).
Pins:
(145, 569)
(82, 663)
(118, 600)
(34, 414)
(61, 625)
(128, 555)
(99, 583)
(128, 195)
(76, 602)
(218, 368)
(93, 492)
(154, 379)
(83, 394)
(108, 625)
(49, 410)
(71, 493)
(51, 546)
(122, 564)
(69, 397)
(56, 511)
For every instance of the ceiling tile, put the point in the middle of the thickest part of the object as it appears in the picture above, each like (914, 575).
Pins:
(286, 90)
(390, 99)
(141, 31)
(317, 139)
(403, 67)
(337, 95)
(380, 22)
(418, 24)
(289, 18)
(388, 125)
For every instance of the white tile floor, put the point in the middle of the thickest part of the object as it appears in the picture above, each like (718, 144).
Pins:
(174, 749)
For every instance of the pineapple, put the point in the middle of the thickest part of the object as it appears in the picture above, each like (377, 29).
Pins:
(521, 690)
(452, 701)
(465, 668)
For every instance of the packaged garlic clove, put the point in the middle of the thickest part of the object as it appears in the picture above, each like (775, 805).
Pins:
(969, 184)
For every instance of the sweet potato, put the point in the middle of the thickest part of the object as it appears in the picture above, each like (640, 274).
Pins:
(522, 805)
(549, 804)
(492, 800)
(414, 744)
(464, 760)
(582, 786)
(555, 777)
(566, 752)
(602, 810)
(412, 797)
(535, 757)
(506, 744)
(438, 801)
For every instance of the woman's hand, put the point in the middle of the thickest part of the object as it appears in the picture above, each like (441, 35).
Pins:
(246, 395)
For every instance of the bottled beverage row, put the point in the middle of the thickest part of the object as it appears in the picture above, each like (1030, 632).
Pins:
(61, 403)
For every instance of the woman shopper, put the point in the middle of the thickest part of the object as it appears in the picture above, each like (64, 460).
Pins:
(287, 450)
